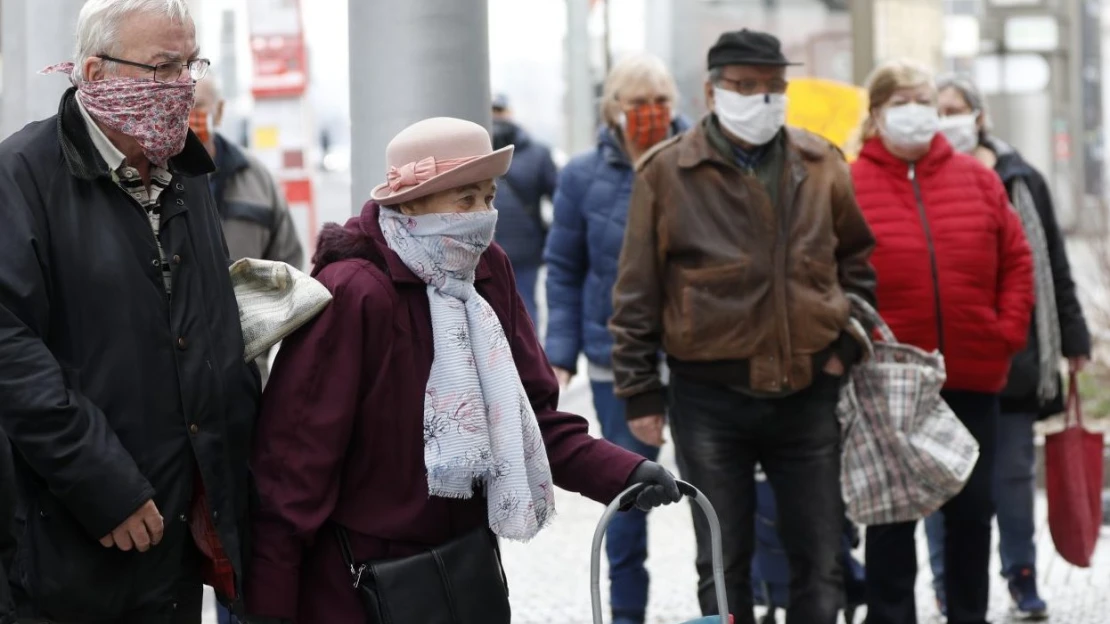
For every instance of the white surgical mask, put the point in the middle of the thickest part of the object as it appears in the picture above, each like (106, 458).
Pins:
(754, 119)
(961, 131)
(910, 126)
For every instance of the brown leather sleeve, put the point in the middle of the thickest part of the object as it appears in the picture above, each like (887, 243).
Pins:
(637, 322)
(855, 241)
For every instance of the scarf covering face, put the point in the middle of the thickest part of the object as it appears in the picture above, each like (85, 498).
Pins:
(479, 426)
(1046, 316)
(155, 114)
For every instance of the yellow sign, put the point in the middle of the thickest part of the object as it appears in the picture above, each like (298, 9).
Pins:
(831, 109)
(265, 137)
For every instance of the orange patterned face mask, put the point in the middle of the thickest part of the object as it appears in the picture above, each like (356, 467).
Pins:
(201, 125)
(646, 125)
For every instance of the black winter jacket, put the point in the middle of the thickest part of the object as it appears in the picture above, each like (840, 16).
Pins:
(1020, 394)
(112, 393)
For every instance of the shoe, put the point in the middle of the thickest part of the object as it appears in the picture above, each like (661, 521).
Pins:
(1028, 605)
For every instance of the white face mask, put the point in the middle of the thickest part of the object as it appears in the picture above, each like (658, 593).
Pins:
(961, 131)
(910, 126)
(754, 119)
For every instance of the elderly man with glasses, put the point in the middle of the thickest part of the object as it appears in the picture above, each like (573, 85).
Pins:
(123, 388)
(743, 240)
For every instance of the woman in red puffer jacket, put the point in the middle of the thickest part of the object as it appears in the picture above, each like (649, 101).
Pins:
(954, 274)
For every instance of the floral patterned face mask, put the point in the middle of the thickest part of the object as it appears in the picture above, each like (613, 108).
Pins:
(155, 114)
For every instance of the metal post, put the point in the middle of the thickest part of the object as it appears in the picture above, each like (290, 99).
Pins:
(863, 39)
(580, 97)
(35, 35)
(412, 60)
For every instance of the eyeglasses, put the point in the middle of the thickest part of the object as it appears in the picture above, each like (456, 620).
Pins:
(753, 87)
(170, 71)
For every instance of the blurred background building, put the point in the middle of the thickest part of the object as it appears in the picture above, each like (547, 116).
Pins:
(304, 77)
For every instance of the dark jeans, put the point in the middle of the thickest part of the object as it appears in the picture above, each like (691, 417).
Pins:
(626, 537)
(1014, 495)
(719, 437)
(526, 278)
(891, 556)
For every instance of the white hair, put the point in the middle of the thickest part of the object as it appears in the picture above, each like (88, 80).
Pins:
(99, 22)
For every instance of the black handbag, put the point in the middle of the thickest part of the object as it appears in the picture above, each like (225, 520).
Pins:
(460, 582)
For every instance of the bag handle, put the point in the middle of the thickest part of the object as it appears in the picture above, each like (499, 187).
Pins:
(865, 312)
(356, 569)
(1074, 404)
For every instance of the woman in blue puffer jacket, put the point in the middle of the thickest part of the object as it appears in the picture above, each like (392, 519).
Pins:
(583, 246)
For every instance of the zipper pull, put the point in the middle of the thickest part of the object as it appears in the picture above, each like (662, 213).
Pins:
(912, 172)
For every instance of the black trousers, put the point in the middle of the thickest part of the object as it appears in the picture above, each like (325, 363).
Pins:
(719, 437)
(892, 551)
(187, 609)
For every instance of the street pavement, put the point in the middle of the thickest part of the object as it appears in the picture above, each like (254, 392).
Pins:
(549, 577)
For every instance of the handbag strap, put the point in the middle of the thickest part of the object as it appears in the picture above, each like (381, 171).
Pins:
(865, 312)
(355, 569)
(1074, 404)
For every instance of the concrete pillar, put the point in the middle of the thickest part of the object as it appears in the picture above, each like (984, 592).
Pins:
(33, 36)
(412, 60)
(580, 100)
(863, 39)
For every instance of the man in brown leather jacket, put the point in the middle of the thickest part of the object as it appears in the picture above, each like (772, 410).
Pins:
(743, 239)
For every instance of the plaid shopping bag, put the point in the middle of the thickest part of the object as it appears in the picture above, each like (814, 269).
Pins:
(905, 453)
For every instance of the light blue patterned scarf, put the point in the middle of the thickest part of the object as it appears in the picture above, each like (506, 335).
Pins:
(479, 426)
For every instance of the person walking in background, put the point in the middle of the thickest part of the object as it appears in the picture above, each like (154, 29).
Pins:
(521, 229)
(954, 274)
(743, 241)
(255, 218)
(123, 388)
(591, 208)
(1033, 389)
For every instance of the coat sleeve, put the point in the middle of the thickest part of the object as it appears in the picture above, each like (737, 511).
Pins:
(581, 463)
(61, 435)
(550, 175)
(855, 242)
(308, 413)
(1015, 275)
(1075, 337)
(567, 260)
(284, 244)
(637, 322)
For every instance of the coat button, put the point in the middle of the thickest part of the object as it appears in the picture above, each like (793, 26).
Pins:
(156, 262)
(179, 187)
(181, 344)
(193, 429)
(181, 202)
(182, 518)
(176, 259)
(215, 515)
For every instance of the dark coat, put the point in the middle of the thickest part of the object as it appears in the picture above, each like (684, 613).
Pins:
(583, 248)
(111, 393)
(7, 520)
(1020, 394)
(341, 435)
(520, 228)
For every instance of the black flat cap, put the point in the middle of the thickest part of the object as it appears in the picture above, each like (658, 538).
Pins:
(747, 47)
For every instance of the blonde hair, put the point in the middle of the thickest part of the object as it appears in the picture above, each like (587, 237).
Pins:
(634, 70)
(881, 85)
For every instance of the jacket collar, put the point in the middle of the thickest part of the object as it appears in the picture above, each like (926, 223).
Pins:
(610, 144)
(940, 152)
(84, 160)
(398, 271)
(229, 158)
(696, 147)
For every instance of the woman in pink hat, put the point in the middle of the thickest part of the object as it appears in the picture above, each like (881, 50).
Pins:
(415, 422)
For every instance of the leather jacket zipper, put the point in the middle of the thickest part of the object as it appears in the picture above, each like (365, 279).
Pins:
(932, 255)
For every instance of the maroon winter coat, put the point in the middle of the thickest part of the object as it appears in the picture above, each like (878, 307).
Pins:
(340, 437)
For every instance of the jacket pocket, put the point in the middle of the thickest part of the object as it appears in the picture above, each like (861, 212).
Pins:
(718, 305)
(66, 573)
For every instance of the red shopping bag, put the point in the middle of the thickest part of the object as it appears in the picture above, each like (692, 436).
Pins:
(1073, 476)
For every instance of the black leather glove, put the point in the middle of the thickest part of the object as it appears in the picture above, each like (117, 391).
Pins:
(662, 488)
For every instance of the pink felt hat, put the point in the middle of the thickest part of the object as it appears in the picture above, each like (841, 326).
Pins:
(436, 155)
